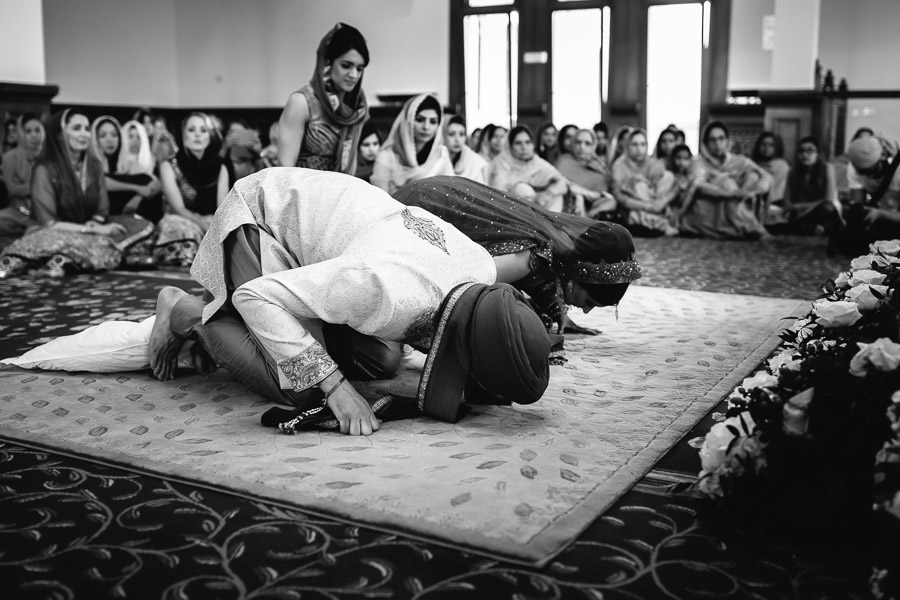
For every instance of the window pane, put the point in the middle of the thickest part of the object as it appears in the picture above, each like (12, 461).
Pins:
(674, 70)
(577, 45)
(491, 45)
(481, 3)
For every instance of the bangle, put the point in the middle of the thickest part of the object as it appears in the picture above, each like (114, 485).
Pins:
(336, 386)
(99, 219)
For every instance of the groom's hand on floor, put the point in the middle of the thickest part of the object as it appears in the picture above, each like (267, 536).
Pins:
(352, 411)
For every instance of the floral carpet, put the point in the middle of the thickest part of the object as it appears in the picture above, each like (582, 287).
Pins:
(75, 528)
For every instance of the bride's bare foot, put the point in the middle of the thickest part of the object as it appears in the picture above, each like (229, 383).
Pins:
(164, 345)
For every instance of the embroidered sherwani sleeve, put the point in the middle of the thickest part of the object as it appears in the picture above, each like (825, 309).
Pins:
(277, 309)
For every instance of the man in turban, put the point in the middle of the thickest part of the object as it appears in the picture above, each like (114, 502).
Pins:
(874, 181)
(313, 277)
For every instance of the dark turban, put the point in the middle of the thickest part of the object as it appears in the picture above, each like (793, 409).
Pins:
(489, 347)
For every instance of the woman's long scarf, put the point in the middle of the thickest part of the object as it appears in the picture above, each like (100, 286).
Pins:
(402, 143)
(535, 171)
(349, 114)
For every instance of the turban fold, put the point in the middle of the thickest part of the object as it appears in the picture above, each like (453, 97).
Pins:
(489, 347)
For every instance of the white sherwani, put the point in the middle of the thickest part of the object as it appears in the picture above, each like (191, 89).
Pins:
(339, 250)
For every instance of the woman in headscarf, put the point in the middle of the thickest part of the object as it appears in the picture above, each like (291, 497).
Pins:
(17, 166)
(492, 142)
(617, 145)
(643, 187)
(557, 259)
(466, 162)
(369, 144)
(727, 197)
(565, 142)
(127, 162)
(548, 142)
(415, 147)
(70, 205)
(193, 184)
(583, 167)
(768, 153)
(521, 172)
(321, 123)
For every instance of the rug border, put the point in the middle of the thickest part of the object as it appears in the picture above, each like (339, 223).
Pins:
(543, 546)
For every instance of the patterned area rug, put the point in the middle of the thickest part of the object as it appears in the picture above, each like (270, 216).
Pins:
(518, 483)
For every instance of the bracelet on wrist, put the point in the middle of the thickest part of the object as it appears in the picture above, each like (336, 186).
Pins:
(333, 388)
(99, 219)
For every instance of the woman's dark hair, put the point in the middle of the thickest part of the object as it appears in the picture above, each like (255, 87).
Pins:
(658, 151)
(345, 39)
(860, 132)
(457, 120)
(809, 140)
(368, 129)
(430, 102)
(714, 125)
(29, 116)
(541, 149)
(601, 126)
(808, 183)
(757, 156)
(515, 131)
(144, 112)
(562, 136)
(670, 160)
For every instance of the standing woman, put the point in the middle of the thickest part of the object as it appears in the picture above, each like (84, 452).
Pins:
(466, 162)
(321, 123)
(193, 185)
(71, 207)
(17, 166)
(414, 148)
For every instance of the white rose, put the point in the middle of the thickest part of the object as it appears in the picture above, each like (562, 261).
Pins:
(715, 445)
(836, 314)
(883, 354)
(784, 360)
(895, 397)
(863, 296)
(888, 247)
(759, 379)
(867, 276)
(842, 280)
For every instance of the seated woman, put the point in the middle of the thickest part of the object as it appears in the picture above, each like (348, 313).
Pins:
(558, 259)
(565, 142)
(810, 203)
(127, 162)
(493, 142)
(466, 162)
(685, 183)
(414, 149)
(643, 187)
(664, 145)
(768, 153)
(193, 184)
(70, 205)
(521, 172)
(548, 142)
(584, 168)
(369, 145)
(17, 167)
(728, 192)
(617, 146)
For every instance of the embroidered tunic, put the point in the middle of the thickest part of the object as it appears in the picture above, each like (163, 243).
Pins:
(338, 250)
